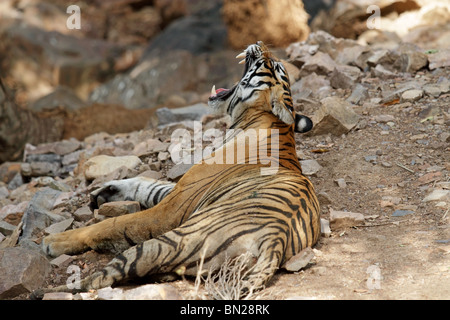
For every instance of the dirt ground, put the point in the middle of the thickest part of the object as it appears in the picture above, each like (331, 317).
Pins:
(406, 257)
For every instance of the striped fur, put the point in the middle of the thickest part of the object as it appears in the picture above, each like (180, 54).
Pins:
(216, 210)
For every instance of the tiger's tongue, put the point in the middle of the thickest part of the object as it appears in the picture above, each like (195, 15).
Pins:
(215, 92)
(220, 90)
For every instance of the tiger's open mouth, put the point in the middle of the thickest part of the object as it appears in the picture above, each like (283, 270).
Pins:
(247, 57)
(221, 93)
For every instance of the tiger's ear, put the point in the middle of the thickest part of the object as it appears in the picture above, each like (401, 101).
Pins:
(282, 111)
(302, 124)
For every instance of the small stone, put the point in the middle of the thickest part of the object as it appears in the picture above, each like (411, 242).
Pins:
(153, 292)
(119, 208)
(163, 156)
(109, 293)
(437, 195)
(440, 204)
(178, 171)
(300, 260)
(62, 261)
(386, 164)
(149, 146)
(58, 296)
(359, 94)
(381, 72)
(83, 214)
(6, 228)
(371, 159)
(341, 183)
(401, 213)
(412, 95)
(324, 198)
(103, 165)
(384, 118)
(4, 192)
(319, 270)
(439, 59)
(320, 63)
(325, 230)
(156, 166)
(151, 174)
(59, 226)
(310, 167)
(13, 213)
(344, 76)
(343, 219)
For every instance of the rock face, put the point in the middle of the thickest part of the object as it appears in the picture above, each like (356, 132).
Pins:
(21, 271)
(103, 165)
(335, 116)
(278, 22)
(343, 219)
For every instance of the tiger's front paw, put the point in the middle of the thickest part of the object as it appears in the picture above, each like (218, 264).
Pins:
(68, 242)
(111, 191)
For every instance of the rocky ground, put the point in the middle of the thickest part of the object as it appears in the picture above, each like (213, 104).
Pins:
(379, 157)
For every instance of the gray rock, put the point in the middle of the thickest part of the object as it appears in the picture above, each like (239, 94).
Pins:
(118, 208)
(325, 230)
(83, 214)
(345, 77)
(21, 271)
(62, 261)
(145, 292)
(71, 158)
(334, 116)
(4, 192)
(316, 85)
(371, 159)
(341, 183)
(6, 228)
(359, 94)
(178, 170)
(381, 72)
(412, 95)
(320, 63)
(439, 59)
(61, 97)
(153, 292)
(38, 214)
(194, 112)
(310, 167)
(436, 89)
(411, 58)
(58, 296)
(59, 226)
(343, 219)
(300, 260)
(401, 213)
(99, 166)
(437, 195)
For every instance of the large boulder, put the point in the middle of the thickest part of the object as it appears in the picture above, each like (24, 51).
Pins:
(278, 22)
(21, 271)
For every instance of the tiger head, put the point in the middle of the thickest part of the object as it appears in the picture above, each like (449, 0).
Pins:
(264, 86)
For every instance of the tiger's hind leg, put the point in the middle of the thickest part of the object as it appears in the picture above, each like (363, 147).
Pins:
(183, 248)
(148, 192)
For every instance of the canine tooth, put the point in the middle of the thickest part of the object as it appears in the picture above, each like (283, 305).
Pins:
(213, 90)
(241, 55)
(242, 61)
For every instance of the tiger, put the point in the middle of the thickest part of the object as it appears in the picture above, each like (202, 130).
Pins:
(217, 210)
